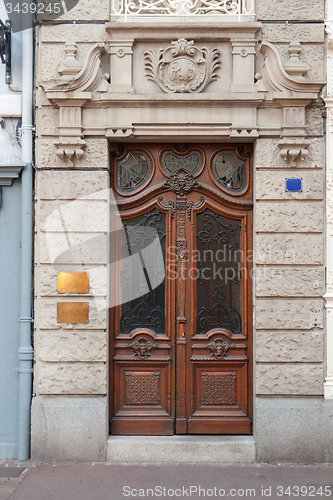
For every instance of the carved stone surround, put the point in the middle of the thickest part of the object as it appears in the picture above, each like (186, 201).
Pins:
(183, 67)
(177, 68)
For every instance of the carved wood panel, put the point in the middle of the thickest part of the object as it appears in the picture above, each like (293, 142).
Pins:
(193, 375)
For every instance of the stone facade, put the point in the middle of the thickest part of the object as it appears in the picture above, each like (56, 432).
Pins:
(93, 92)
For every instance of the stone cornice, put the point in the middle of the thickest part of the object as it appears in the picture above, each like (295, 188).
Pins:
(218, 31)
(8, 173)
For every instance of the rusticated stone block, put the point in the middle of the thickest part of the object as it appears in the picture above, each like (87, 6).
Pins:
(284, 33)
(50, 58)
(290, 379)
(72, 248)
(273, 10)
(86, 10)
(47, 121)
(46, 280)
(59, 346)
(91, 33)
(283, 314)
(70, 185)
(289, 346)
(72, 378)
(46, 315)
(289, 282)
(289, 217)
(73, 216)
(272, 185)
(95, 155)
(289, 248)
(267, 155)
(314, 121)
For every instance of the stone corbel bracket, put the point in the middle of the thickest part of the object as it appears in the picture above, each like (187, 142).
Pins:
(293, 149)
(293, 95)
(70, 97)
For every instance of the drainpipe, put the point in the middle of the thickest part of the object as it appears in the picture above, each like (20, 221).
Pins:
(25, 349)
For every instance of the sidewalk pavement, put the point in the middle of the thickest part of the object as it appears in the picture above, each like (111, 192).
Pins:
(106, 481)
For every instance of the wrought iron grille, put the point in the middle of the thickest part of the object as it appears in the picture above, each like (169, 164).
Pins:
(148, 309)
(219, 288)
(134, 8)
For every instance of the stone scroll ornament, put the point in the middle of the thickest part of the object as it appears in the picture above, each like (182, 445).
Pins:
(182, 67)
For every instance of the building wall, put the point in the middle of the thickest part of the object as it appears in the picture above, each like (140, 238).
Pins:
(10, 255)
(290, 342)
(71, 376)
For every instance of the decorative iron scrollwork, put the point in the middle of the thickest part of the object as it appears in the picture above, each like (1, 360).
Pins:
(147, 310)
(219, 290)
(218, 316)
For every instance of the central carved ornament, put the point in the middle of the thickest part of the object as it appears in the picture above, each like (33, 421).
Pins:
(182, 67)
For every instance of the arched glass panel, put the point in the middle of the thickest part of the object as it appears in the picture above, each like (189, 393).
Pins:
(228, 171)
(133, 172)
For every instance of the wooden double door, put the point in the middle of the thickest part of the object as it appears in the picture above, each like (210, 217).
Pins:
(181, 354)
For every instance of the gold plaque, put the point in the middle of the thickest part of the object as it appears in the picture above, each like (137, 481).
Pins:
(73, 283)
(72, 312)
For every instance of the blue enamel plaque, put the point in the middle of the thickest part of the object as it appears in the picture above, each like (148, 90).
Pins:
(293, 184)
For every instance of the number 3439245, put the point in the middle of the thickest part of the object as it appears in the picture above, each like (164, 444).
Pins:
(304, 491)
(34, 8)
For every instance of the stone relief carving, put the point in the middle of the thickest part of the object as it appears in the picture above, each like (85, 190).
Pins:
(181, 183)
(295, 67)
(70, 66)
(182, 67)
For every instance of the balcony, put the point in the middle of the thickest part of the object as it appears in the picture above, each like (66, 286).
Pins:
(182, 11)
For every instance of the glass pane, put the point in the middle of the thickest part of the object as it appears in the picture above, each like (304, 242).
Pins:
(133, 171)
(143, 273)
(229, 171)
(219, 259)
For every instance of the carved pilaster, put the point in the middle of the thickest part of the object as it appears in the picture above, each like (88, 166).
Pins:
(70, 144)
(121, 55)
(243, 52)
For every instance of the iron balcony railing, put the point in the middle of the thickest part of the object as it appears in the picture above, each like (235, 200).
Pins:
(129, 10)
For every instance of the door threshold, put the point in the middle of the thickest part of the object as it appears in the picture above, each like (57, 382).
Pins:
(181, 449)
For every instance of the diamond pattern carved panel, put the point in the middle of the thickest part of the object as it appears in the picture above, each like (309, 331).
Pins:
(219, 389)
(142, 388)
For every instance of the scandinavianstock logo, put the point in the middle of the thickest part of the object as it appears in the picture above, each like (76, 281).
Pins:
(24, 14)
(79, 235)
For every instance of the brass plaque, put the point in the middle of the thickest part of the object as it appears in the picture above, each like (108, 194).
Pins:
(72, 312)
(73, 283)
